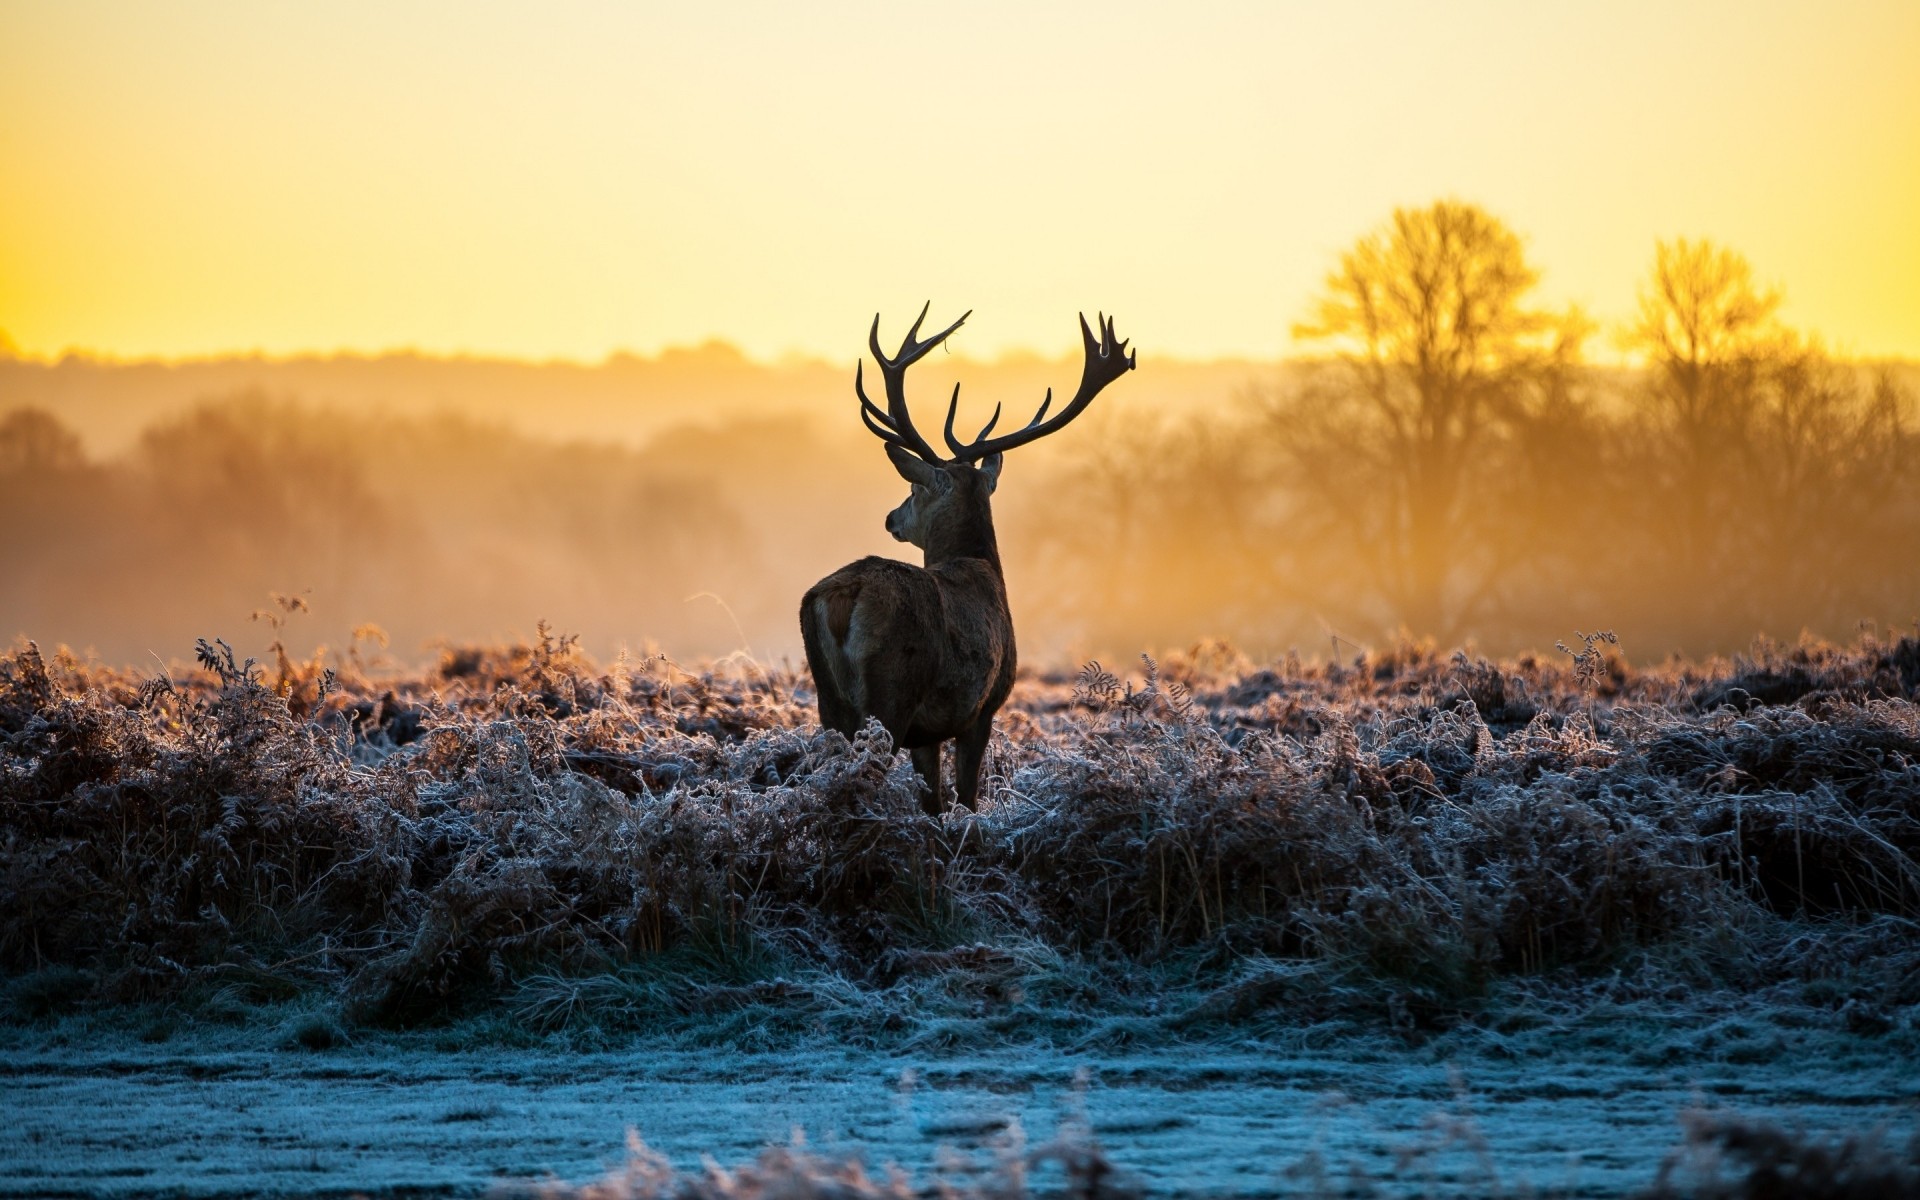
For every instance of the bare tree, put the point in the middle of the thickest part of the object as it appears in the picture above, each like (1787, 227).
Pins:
(1438, 358)
(1766, 472)
(1708, 333)
(33, 440)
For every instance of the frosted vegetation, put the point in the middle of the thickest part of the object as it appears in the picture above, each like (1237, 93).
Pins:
(1719, 1159)
(1407, 860)
(1411, 840)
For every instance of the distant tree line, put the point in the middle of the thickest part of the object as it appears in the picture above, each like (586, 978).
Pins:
(1453, 468)
(428, 528)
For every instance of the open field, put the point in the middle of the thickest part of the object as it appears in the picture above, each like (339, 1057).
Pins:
(1698, 881)
(227, 1114)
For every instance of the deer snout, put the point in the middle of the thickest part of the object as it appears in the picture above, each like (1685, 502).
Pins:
(896, 526)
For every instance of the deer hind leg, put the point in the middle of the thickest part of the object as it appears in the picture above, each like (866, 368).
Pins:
(969, 751)
(926, 761)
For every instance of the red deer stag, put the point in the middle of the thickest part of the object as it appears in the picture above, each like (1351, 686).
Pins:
(928, 651)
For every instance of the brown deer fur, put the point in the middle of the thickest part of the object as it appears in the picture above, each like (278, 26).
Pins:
(928, 651)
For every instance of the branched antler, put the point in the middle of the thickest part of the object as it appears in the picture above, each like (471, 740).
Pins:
(1107, 359)
(895, 425)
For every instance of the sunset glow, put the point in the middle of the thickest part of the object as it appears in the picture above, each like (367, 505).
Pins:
(529, 181)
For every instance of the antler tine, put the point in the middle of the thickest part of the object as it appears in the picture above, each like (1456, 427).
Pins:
(959, 447)
(1107, 359)
(873, 340)
(895, 425)
(870, 413)
(917, 321)
(911, 351)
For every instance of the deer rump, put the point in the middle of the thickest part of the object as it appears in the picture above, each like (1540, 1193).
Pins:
(926, 651)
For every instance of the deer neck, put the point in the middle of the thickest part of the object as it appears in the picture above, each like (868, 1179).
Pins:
(969, 537)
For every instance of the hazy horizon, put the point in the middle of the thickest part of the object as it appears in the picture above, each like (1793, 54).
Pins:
(715, 349)
(463, 500)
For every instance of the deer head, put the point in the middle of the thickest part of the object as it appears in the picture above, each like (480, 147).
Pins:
(947, 510)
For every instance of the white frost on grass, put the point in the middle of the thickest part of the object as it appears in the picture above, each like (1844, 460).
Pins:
(126, 1119)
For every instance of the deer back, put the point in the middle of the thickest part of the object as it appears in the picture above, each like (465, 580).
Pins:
(927, 650)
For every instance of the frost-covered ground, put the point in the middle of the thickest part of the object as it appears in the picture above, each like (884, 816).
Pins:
(203, 1118)
(300, 929)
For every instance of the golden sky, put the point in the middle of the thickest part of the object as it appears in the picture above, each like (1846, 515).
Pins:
(570, 179)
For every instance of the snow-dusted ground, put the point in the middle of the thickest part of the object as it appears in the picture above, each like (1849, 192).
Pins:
(195, 1119)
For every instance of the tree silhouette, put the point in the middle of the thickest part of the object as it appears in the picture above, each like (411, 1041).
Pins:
(1441, 358)
(1709, 335)
(33, 441)
(1764, 469)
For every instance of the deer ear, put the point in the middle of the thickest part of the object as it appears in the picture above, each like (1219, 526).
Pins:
(990, 470)
(913, 468)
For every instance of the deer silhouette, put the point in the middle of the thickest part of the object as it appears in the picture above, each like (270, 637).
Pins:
(929, 650)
